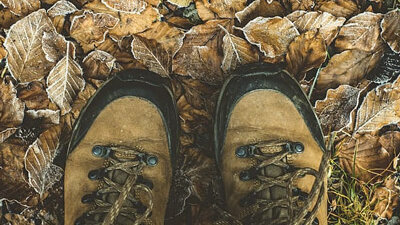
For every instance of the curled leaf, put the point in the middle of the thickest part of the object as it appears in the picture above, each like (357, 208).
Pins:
(91, 28)
(391, 29)
(361, 32)
(64, 82)
(152, 54)
(98, 64)
(306, 52)
(258, 8)
(342, 8)
(301, 4)
(26, 59)
(327, 24)
(34, 95)
(386, 198)
(21, 7)
(38, 160)
(237, 51)
(55, 46)
(126, 6)
(335, 111)
(271, 35)
(226, 9)
(61, 8)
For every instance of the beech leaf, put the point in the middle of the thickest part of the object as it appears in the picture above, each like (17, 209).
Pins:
(181, 3)
(98, 65)
(126, 6)
(391, 29)
(61, 8)
(38, 160)
(152, 54)
(342, 8)
(64, 82)
(26, 59)
(21, 7)
(260, 8)
(271, 35)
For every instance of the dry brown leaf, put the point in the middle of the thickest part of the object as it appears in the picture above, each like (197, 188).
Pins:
(17, 219)
(225, 9)
(327, 24)
(26, 59)
(47, 116)
(3, 52)
(271, 35)
(335, 111)
(169, 37)
(373, 154)
(38, 160)
(306, 52)
(12, 179)
(11, 108)
(54, 46)
(258, 8)
(237, 51)
(64, 82)
(348, 67)
(199, 57)
(198, 94)
(98, 65)
(380, 107)
(21, 7)
(152, 55)
(301, 4)
(34, 95)
(360, 32)
(386, 198)
(61, 8)
(7, 133)
(7, 18)
(181, 3)
(82, 99)
(126, 6)
(90, 29)
(204, 12)
(192, 120)
(134, 23)
(342, 8)
(391, 29)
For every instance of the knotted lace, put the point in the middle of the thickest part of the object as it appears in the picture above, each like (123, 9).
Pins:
(276, 153)
(126, 164)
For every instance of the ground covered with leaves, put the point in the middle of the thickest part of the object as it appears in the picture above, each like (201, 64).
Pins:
(344, 53)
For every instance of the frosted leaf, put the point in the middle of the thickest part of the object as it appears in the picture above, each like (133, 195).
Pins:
(126, 6)
(61, 8)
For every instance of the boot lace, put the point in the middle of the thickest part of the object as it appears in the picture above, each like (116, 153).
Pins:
(119, 180)
(296, 202)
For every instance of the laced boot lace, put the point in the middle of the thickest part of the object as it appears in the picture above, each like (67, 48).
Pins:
(119, 180)
(295, 202)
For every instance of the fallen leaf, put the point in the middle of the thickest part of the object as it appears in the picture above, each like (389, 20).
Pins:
(11, 108)
(169, 37)
(339, 8)
(7, 133)
(327, 24)
(380, 107)
(82, 99)
(152, 54)
(335, 111)
(47, 116)
(373, 154)
(3, 52)
(21, 7)
(199, 57)
(64, 82)
(7, 18)
(26, 59)
(301, 4)
(386, 198)
(181, 3)
(192, 120)
(388, 68)
(12, 179)
(17, 219)
(391, 29)
(98, 65)
(306, 52)
(61, 8)
(126, 6)
(258, 8)
(90, 29)
(361, 32)
(34, 95)
(38, 160)
(204, 11)
(54, 46)
(226, 9)
(198, 94)
(348, 67)
(237, 51)
(271, 35)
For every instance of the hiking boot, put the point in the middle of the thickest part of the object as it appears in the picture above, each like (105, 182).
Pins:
(270, 149)
(121, 155)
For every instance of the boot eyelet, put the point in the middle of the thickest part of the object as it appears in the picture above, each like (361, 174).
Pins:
(86, 199)
(245, 176)
(298, 147)
(241, 152)
(151, 160)
(96, 174)
(100, 151)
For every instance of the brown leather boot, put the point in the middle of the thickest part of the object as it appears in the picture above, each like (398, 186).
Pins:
(270, 149)
(121, 155)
